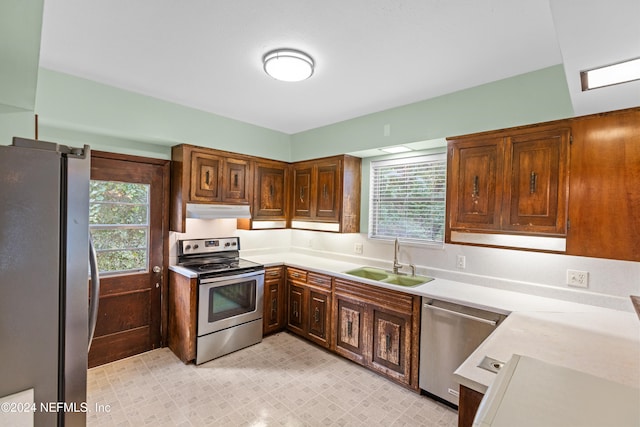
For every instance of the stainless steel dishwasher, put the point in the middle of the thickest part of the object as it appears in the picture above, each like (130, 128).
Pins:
(449, 333)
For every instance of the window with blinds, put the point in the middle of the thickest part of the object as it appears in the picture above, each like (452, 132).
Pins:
(408, 199)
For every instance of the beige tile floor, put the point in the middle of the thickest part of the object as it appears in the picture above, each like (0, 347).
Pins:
(284, 380)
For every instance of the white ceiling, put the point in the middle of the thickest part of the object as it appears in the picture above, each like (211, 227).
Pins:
(371, 55)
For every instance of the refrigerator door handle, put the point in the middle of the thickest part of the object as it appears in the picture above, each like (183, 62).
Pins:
(95, 291)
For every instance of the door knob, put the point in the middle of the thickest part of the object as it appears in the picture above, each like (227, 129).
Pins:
(157, 269)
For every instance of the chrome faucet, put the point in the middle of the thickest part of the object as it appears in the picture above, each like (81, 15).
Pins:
(396, 249)
(396, 264)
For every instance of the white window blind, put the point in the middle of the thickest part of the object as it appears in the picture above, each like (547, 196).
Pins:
(408, 198)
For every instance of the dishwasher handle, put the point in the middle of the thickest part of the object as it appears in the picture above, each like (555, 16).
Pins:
(466, 316)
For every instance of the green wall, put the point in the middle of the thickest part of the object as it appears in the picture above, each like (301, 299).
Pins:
(528, 98)
(75, 110)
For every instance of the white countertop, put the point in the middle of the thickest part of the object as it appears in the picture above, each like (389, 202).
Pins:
(596, 340)
(605, 344)
(530, 393)
(497, 300)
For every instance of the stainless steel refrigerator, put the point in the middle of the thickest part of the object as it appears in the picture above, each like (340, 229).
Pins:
(44, 270)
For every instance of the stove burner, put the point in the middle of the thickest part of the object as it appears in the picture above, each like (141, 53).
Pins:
(213, 266)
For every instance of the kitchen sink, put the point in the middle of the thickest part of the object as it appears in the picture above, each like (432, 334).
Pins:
(407, 280)
(384, 276)
(369, 273)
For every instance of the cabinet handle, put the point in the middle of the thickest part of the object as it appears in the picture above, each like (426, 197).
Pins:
(271, 191)
(235, 180)
(295, 309)
(316, 315)
(302, 194)
(476, 186)
(273, 274)
(274, 304)
(324, 191)
(387, 338)
(349, 328)
(206, 177)
(533, 181)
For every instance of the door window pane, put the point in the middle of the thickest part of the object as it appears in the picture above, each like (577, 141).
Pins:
(119, 224)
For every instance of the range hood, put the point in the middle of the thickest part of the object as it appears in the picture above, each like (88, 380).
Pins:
(205, 211)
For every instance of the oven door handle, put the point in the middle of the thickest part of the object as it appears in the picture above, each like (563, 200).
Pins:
(231, 277)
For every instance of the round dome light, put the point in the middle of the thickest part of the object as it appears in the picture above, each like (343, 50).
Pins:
(288, 65)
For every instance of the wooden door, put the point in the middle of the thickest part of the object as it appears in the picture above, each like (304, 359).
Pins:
(536, 184)
(391, 343)
(270, 201)
(206, 175)
(236, 181)
(476, 182)
(318, 316)
(605, 186)
(295, 306)
(129, 222)
(302, 191)
(327, 205)
(274, 298)
(349, 328)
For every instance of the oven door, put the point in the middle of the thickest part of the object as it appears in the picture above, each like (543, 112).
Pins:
(228, 301)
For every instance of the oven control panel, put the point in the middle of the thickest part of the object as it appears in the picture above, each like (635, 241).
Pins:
(205, 246)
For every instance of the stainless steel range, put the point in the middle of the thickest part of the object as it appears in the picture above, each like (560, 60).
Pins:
(230, 292)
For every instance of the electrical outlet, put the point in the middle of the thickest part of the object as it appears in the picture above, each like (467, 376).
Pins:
(578, 279)
(357, 248)
(461, 262)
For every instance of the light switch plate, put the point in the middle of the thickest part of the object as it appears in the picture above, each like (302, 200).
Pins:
(357, 248)
(461, 262)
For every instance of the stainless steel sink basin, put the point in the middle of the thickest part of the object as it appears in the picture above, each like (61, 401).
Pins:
(380, 275)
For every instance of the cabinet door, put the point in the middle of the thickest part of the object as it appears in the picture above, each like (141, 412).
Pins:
(296, 306)
(328, 187)
(391, 343)
(318, 313)
(273, 317)
(536, 184)
(236, 182)
(270, 191)
(475, 180)
(302, 192)
(206, 173)
(349, 328)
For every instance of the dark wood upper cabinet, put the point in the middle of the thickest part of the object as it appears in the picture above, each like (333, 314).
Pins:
(604, 197)
(537, 181)
(512, 181)
(270, 199)
(474, 197)
(327, 191)
(205, 177)
(236, 182)
(575, 179)
(301, 190)
(201, 175)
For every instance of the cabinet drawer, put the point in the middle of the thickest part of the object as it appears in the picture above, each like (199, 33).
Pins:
(273, 273)
(320, 280)
(295, 274)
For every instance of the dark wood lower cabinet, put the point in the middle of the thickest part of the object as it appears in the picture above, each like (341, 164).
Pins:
(274, 300)
(468, 406)
(309, 305)
(379, 329)
(183, 316)
(349, 328)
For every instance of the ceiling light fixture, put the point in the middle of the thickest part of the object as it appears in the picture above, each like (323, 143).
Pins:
(288, 65)
(613, 74)
(397, 149)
